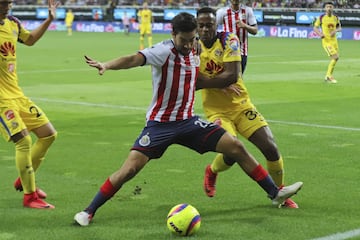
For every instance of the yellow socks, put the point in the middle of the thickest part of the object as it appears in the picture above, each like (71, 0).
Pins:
(39, 150)
(275, 168)
(24, 165)
(331, 67)
(141, 42)
(218, 164)
(276, 171)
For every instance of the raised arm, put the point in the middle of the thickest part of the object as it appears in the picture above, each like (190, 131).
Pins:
(37, 33)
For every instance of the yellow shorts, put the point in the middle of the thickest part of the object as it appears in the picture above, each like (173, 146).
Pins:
(245, 122)
(145, 29)
(331, 48)
(19, 114)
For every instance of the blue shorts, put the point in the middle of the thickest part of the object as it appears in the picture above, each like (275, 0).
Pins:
(194, 133)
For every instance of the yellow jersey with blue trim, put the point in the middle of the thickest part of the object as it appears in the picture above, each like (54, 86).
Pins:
(226, 48)
(11, 32)
(328, 24)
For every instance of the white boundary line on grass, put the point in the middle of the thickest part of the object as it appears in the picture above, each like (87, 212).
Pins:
(341, 236)
(315, 125)
(144, 109)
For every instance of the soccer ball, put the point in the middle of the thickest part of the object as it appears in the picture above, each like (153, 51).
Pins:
(183, 220)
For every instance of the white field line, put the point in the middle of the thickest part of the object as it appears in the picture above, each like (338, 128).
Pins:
(143, 109)
(310, 62)
(341, 236)
(103, 105)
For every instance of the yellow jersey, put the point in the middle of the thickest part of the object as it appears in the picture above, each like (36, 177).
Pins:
(328, 24)
(225, 49)
(145, 16)
(11, 32)
(69, 18)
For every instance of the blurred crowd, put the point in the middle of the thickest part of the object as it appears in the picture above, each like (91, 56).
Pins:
(343, 4)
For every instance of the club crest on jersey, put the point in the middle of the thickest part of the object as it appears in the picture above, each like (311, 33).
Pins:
(197, 60)
(9, 114)
(234, 43)
(145, 140)
(218, 52)
(14, 125)
(11, 67)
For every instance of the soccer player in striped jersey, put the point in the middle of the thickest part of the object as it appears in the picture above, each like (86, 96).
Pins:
(170, 116)
(326, 26)
(240, 20)
(18, 114)
(231, 107)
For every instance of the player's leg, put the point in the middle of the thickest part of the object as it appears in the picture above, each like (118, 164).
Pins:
(203, 136)
(332, 51)
(69, 30)
(142, 150)
(218, 164)
(46, 135)
(149, 34)
(234, 149)
(254, 127)
(133, 164)
(142, 36)
(13, 128)
(37, 122)
(263, 139)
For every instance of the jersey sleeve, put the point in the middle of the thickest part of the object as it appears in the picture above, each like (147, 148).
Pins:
(220, 16)
(157, 54)
(251, 19)
(231, 48)
(338, 24)
(317, 22)
(23, 34)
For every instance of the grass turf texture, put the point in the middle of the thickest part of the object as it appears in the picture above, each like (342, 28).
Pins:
(316, 126)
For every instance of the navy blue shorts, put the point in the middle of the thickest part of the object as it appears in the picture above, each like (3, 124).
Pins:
(194, 133)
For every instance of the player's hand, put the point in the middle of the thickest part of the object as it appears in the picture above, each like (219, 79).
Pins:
(233, 88)
(96, 64)
(52, 9)
(240, 24)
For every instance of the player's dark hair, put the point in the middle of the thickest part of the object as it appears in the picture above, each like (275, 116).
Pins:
(331, 3)
(206, 10)
(183, 22)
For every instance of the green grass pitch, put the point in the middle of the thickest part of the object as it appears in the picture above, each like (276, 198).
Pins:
(316, 126)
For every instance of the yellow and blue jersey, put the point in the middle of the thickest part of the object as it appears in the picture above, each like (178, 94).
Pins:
(328, 24)
(11, 32)
(225, 49)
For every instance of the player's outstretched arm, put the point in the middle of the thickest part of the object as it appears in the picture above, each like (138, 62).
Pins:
(125, 62)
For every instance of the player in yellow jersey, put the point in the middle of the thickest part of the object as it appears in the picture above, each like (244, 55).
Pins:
(18, 114)
(69, 19)
(220, 61)
(146, 19)
(326, 26)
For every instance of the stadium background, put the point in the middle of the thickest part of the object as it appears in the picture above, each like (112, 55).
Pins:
(289, 19)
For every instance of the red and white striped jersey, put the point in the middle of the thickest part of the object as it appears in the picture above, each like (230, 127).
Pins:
(173, 78)
(227, 17)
